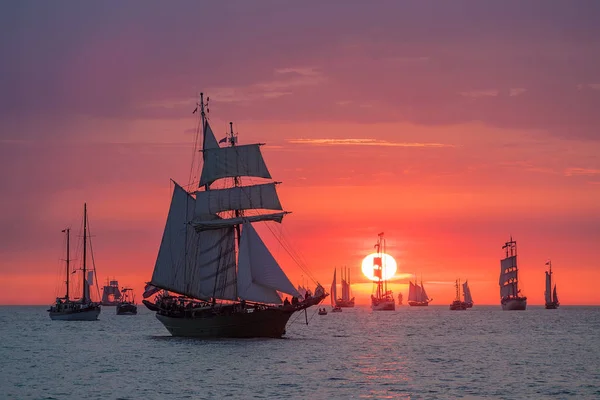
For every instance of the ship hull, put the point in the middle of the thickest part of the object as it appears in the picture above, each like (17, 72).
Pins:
(345, 303)
(269, 323)
(418, 303)
(551, 306)
(383, 306)
(82, 315)
(514, 304)
(126, 309)
(458, 306)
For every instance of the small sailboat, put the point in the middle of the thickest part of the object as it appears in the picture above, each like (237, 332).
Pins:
(467, 294)
(457, 304)
(126, 305)
(82, 309)
(222, 278)
(552, 302)
(345, 301)
(417, 297)
(383, 299)
(511, 298)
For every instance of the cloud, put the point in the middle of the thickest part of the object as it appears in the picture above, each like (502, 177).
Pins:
(581, 172)
(284, 82)
(364, 142)
(475, 94)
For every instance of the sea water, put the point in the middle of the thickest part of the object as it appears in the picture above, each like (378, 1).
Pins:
(411, 353)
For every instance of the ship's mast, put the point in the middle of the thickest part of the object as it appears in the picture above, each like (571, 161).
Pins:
(203, 117)
(84, 297)
(236, 181)
(511, 250)
(67, 230)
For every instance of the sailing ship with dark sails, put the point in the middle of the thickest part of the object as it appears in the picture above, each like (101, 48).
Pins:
(383, 299)
(550, 295)
(82, 308)
(111, 295)
(457, 304)
(510, 294)
(222, 279)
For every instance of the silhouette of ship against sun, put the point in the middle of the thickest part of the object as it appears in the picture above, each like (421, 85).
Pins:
(383, 299)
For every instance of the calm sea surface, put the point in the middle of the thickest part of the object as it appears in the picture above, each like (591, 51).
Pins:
(412, 353)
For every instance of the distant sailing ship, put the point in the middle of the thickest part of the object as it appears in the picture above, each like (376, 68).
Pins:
(111, 293)
(511, 298)
(457, 304)
(345, 301)
(399, 299)
(383, 300)
(417, 297)
(552, 302)
(212, 256)
(84, 309)
(467, 294)
(333, 294)
(126, 305)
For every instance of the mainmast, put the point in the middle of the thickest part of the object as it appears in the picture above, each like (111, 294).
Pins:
(84, 297)
(203, 116)
(511, 250)
(67, 230)
(236, 182)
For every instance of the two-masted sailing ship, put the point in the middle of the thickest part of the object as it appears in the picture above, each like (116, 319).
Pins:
(382, 299)
(468, 299)
(333, 294)
(74, 309)
(345, 301)
(126, 304)
(510, 294)
(457, 304)
(417, 296)
(222, 279)
(550, 295)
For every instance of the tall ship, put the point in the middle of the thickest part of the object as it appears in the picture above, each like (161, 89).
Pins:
(467, 294)
(399, 299)
(345, 301)
(126, 304)
(550, 295)
(82, 308)
(222, 279)
(510, 294)
(111, 295)
(383, 299)
(457, 304)
(417, 296)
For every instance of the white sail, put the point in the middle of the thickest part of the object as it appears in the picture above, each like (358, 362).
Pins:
(424, 296)
(227, 162)
(199, 265)
(467, 292)
(210, 142)
(334, 288)
(264, 196)
(205, 225)
(548, 292)
(259, 275)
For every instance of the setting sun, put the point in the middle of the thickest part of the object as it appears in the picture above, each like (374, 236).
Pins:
(388, 270)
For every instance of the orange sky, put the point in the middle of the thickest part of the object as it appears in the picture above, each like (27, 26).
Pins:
(442, 130)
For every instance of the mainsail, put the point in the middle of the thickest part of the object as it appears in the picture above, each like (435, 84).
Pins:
(346, 285)
(467, 292)
(548, 292)
(197, 255)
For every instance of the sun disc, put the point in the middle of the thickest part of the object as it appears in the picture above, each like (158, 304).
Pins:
(389, 266)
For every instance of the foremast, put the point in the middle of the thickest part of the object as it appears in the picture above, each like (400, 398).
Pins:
(210, 250)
